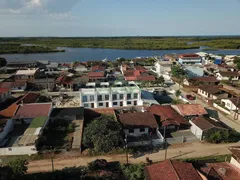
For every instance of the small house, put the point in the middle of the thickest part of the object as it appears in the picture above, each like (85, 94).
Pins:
(189, 111)
(235, 159)
(227, 76)
(202, 125)
(212, 93)
(138, 123)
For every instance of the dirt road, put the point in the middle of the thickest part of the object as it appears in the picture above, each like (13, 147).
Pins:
(176, 151)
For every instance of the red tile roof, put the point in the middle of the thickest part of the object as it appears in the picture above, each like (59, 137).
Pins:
(140, 119)
(204, 79)
(12, 84)
(189, 56)
(96, 74)
(171, 170)
(229, 73)
(190, 109)
(9, 111)
(141, 68)
(223, 171)
(146, 78)
(28, 98)
(167, 115)
(95, 68)
(4, 90)
(64, 80)
(33, 110)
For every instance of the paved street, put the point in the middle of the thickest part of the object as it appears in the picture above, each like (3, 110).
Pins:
(222, 117)
(190, 150)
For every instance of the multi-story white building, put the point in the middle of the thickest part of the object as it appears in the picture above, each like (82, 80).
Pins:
(118, 95)
(189, 59)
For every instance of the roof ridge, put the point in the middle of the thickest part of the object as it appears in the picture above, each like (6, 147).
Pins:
(170, 162)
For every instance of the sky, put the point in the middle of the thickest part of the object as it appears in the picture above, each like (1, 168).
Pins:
(119, 17)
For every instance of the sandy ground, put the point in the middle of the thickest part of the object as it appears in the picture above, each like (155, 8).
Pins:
(173, 152)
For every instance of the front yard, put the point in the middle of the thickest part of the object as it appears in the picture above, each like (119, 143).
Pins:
(57, 135)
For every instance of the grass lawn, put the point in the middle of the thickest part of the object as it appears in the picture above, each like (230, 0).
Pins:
(209, 159)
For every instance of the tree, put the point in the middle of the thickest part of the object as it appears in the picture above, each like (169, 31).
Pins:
(19, 166)
(178, 93)
(103, 134)
(133, 171)
(160, 80)
(222, 136)
(3, 62)
(179, 73)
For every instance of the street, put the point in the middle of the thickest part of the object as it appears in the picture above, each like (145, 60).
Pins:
(221, 116)
(181, 151)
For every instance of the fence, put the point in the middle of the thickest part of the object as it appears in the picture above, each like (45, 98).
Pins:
(221, 108)
(12, 151)
(181, 139)
(139, 143)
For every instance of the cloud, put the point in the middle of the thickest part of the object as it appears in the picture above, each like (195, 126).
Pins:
(55, 8)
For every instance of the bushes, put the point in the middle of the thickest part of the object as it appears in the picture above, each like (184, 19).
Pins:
(18, 166)
(133, 171)
(222, 136)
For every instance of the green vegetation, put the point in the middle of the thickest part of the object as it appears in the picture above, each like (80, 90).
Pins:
(151, 43)
(38, 122)
(133, 171)
(18, 166)
(178, 93)
(209, 159)
(103, 134)
(222, 136)
(3, 62)
(11, 48)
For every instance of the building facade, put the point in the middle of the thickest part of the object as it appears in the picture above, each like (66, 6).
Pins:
(189, 59)
(104, 97)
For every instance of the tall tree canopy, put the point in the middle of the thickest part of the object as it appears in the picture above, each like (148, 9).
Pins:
(103, 134)
(3, 62)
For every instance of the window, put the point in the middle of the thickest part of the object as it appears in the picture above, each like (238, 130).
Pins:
(131, 130)
(121, 96)
(115, 103)
(142, 130)
(135, 95)
(129, 96)
(114, 97)
(86, 105)
(92, 98)
(129, 102)
(100, 104)
(121, 103)
(135, 103)
(84, 98)
(19, 88)
(99, 97)
(106, 97)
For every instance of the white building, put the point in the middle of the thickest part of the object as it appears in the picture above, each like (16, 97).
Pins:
(231, 104)
(227, 75)
(201, 126)
(162, 67)
(235, 159)
(189, 59)
(120, 96)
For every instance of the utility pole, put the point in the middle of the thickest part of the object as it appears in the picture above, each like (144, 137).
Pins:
(126, 148)
(165, 149)
(52, 163)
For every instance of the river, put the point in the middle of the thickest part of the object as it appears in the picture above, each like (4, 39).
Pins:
(86, 54)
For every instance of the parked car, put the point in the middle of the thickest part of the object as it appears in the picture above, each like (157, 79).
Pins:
(98, 164)
(190, 97)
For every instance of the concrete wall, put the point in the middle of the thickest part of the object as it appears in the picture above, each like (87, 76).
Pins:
(220, 108)
(12, 151)
(235, 162)
(196, 130)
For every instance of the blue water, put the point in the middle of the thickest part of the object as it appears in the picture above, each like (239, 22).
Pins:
(86, 54)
